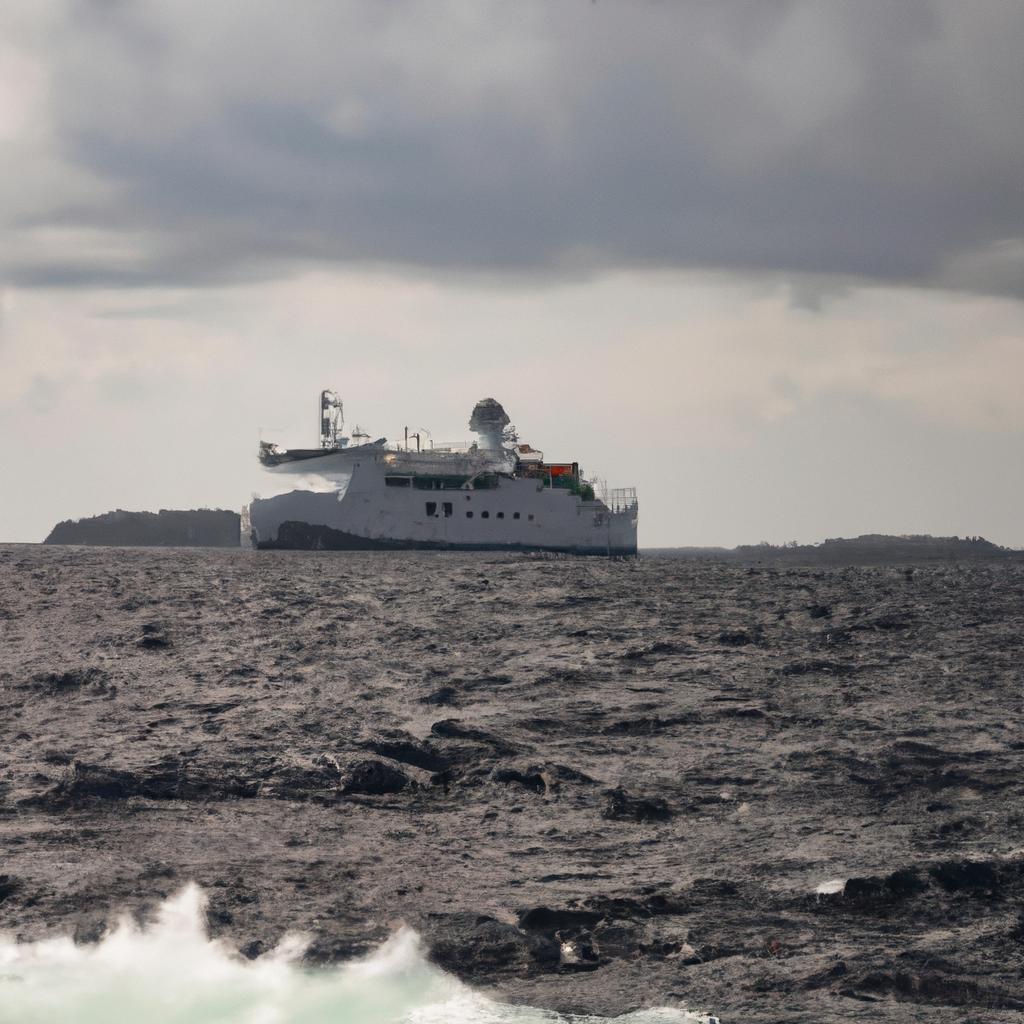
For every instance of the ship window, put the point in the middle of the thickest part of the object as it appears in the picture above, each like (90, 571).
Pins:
(501, 515)
(447, 506)
(485, 515)
(469, 514)
(530, 517)
(397, 481)
(431, 508)
(515, 515)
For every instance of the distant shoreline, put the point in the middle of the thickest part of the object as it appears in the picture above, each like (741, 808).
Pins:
(869, 549)
(219, 528)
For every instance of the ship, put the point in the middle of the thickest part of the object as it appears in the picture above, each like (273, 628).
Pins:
(492, 494)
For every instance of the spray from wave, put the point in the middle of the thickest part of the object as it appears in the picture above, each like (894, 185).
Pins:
(170, 972)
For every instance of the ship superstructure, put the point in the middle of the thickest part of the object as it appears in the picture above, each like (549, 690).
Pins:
(494, 494)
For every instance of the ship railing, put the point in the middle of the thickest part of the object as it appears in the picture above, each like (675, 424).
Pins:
(451, 446)
(621, 499)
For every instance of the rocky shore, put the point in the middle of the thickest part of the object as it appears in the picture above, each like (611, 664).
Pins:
(772, 793)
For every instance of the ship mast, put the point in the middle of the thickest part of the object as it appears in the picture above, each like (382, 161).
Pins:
(332, 419)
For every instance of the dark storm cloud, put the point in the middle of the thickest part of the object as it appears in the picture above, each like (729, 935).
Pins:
(863, 139)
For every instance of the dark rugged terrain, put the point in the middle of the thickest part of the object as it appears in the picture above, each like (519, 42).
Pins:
(589, 784)
(869, 549)
(198, 527)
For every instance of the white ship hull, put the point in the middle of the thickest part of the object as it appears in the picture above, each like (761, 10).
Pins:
(379, 508)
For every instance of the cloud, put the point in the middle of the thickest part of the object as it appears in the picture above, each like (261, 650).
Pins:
(738, 415)
(194, 144)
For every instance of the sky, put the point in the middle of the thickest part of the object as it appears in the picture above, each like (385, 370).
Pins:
(762, 259)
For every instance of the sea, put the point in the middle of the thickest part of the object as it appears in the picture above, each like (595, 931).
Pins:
(764, 791)
(172, 972)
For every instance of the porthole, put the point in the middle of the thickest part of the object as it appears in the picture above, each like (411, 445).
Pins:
(501, 515)
(469, 513)
(485, 515)
(515, 515)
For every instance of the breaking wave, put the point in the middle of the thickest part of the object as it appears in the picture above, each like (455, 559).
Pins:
(171, 972)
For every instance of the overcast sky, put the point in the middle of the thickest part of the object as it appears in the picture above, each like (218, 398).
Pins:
(764, 259)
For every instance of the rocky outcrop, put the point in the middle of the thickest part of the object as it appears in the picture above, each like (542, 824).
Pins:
(622, 806)
(197, 528)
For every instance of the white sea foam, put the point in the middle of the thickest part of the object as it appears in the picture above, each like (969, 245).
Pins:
(832, 885)
(171, 972)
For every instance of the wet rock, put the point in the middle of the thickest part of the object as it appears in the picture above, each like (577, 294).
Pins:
(736, 638)
(622, 806)
(571, 932)
(168, 779)
(153, 637)
(218, 917)
(968, 876)
(960, 826)
(475, 945)
(906, 882)
(617, 939)
(61, 757)
(90, 782)
(744, 712)
(373, 778)
(338, 949)
(9, 885)
(535, 781)
(664, 647)
(890, 620)
(464, 748)
(89, 929)
(89, 678)
(181, 779)
(921, 986)
(826, 978)
(158, 869)
(319, 779)
(817, 666)
(405, 748)
(549, 920)
(863, 890)
(648, 725)
(443, 696)
(452, 728)
(880, 892)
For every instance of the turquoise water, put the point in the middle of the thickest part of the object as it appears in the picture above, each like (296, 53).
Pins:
(171, 972)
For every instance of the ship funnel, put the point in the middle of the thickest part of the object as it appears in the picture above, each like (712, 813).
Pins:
(489, 420)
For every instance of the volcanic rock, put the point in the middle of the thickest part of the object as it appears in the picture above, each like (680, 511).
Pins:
(621, 806)
(373, 778)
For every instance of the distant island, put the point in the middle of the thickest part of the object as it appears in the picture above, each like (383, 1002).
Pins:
(868, 549)
(202, 528)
